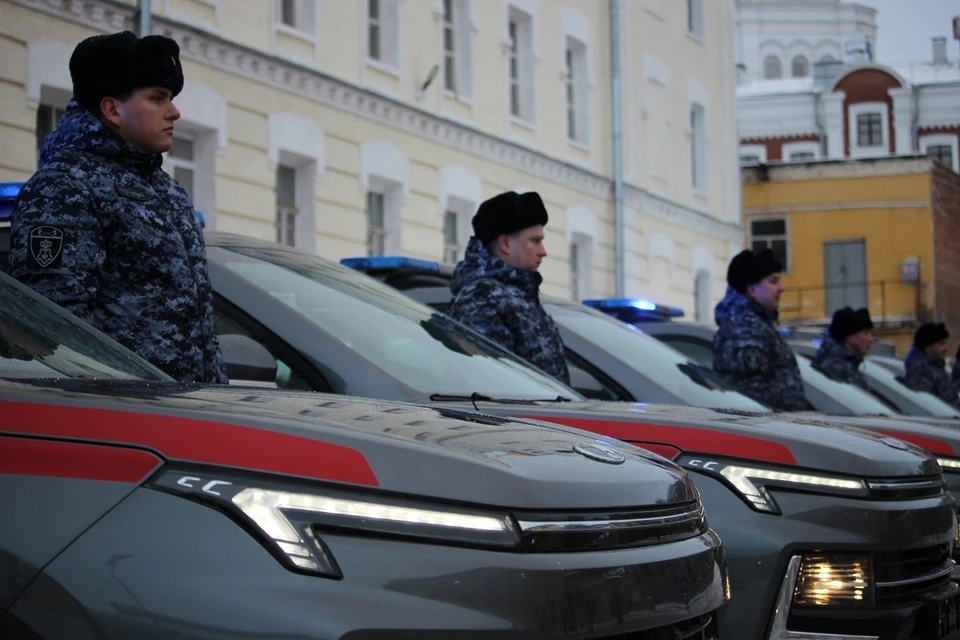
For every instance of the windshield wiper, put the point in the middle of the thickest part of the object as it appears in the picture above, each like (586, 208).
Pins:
(479, 397)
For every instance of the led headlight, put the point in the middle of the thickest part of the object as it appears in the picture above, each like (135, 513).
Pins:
(949, 464)
(834, 580)
(751, 483)
(290, 522)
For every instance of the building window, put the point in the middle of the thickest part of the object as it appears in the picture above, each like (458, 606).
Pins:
(520, 64)
(802, 156)
(383, 31)
(286, 222)
(701, 296)
(376, 230)
(869, 130)
(800, 67)
(451, 240)
(579, 261)
(695, 17)
(770, 234)
(181, 161)
(47, 119)
(698, 147)
(748, 160)
(449, 48)
(299, 15)
(942, 153)
(575, 272)
(771, 68)
(577, 90)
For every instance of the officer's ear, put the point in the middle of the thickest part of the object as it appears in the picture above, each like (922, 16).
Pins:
(110, 108)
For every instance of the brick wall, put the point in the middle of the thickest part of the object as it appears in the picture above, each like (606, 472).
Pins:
(945, 210)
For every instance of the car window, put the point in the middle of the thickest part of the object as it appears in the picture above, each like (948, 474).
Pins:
(854, 399)
(697, 350)
(40, 340)
(425, 350)
(887, 381)
(667, 368)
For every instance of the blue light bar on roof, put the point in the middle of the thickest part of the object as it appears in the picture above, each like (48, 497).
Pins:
(373, 263)
(8, 195)
(635, 303)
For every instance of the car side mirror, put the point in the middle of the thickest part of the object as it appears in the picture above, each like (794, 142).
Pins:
(247, 360)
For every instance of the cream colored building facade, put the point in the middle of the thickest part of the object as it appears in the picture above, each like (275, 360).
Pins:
(311, 122)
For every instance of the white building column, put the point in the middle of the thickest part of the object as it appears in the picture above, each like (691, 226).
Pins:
(833, 123)
(903, 110)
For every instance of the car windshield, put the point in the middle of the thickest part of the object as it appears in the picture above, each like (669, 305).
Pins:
(416, 345)
(856, 400)
(691, 383)
(882, 377)
(39, 340)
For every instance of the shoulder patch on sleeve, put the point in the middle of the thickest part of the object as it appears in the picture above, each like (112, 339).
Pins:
(754, 359)
(46, 247)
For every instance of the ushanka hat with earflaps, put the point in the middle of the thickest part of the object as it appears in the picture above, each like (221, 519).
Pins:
(748, 268)
(930, 333)
(118, 63)
(508, 212)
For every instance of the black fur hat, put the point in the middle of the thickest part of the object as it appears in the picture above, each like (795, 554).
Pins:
(748, 268)
(930, 333)
(847, 322)
(118, 63)
(508, 212)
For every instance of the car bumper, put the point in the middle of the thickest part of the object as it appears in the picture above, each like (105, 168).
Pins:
(763, 552)
(160, 566)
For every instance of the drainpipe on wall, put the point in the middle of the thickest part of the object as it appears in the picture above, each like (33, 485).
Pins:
(818, 116)
(915, 123)
(143, 16)
(617, 145)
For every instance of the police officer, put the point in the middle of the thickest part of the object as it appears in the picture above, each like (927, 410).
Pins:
(496, 285)
(925, 363)
(748, 351)
(101, 230)
(845, 343)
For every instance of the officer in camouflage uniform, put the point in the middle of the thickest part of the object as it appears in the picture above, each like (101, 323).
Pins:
(925, 363)
(101, 230)
(845, 343)
(955, 374)
(496, 285)
(748, 351)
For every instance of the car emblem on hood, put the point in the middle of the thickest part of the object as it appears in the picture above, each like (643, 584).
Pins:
(599, 452)
(893, 442)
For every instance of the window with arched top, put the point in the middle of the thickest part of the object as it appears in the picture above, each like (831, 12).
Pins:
(771, 67)
(827, 58)
(800, 67)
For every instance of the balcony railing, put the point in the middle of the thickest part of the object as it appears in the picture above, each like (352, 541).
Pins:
(891, 303)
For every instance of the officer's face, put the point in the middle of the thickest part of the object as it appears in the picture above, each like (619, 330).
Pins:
(145, 119)
(860, 342)
(937, 351)
(524, 249)
(767, 292)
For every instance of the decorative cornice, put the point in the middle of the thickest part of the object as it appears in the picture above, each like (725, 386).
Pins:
(230, 57)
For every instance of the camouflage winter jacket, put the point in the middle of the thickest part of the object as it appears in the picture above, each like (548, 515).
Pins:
(503, 304)
(102, 231)
(836, 361)
(926, 374)
(752, 356)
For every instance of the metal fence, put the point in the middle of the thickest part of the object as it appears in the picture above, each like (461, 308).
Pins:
(891, 302)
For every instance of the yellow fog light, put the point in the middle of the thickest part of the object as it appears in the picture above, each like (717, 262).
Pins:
(834, 580)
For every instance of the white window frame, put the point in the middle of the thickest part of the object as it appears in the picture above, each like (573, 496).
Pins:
(213, 27)
(656, 71)
(864, 108)
(758, 150)
(772, 57)
(785, 237)
(297, 142)
(388, 24)
(287, 211)
(525, 14)
(376, 196)
(461, 193)
(695, 24)
(172, 163)
(305, 26)
(801, 146)
(698, 99)
(582, 233)
(793, 67)
(575, 38)
(464, 29)
(936, 139)
(702, 289)
(384, 169)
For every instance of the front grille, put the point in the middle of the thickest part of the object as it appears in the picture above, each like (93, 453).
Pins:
(902, 576)
(550, 532)
(916, 488)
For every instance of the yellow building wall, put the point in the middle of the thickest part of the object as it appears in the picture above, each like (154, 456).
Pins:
(890, 213)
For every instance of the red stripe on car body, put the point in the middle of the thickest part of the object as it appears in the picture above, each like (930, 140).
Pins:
(932, 445)
(57, 459)
(688, 439)
(193, 440)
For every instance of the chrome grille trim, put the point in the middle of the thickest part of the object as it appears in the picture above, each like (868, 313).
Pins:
(574, 526)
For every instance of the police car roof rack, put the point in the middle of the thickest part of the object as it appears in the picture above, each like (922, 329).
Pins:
(635, 309)
(371, 264)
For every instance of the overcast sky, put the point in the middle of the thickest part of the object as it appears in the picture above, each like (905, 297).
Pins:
(904, 29)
